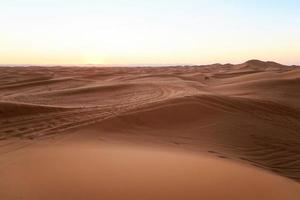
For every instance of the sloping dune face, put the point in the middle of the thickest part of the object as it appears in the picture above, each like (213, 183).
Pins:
(87, 171)
(249, 113)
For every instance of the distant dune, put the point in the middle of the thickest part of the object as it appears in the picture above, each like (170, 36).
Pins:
(247, 113)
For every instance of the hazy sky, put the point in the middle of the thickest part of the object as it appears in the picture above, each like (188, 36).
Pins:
(148, 31)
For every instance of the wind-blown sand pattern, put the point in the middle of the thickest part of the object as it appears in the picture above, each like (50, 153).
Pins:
(248, 113)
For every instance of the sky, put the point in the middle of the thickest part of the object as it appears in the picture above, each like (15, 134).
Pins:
(132, 32)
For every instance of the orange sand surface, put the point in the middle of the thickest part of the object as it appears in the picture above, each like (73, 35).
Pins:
(185, 132)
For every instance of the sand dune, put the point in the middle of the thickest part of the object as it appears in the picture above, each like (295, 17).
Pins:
(247, 113)
(85, 171)
(262, 134)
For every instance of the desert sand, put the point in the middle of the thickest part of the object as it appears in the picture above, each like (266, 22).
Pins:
(179, 132)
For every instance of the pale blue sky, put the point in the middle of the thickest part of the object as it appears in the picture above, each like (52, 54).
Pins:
(148, 32)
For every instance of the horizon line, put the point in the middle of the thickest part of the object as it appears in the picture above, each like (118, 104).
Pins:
(134, 65)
